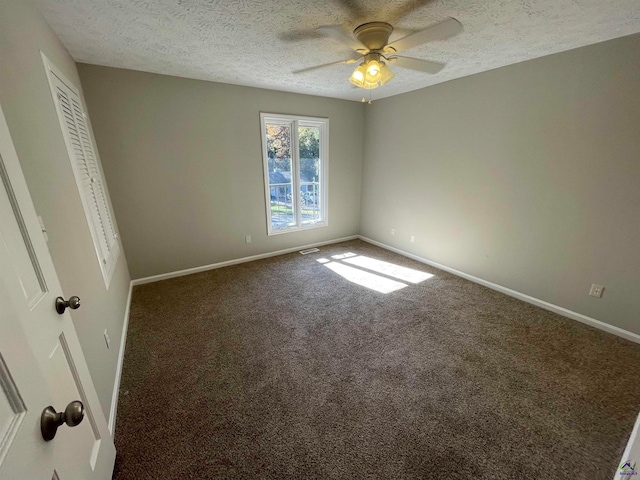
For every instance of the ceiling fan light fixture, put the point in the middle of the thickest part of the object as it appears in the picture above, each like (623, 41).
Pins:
(385, 74)
(373, 63)
(371, 73)
(358, 75)
(373, 69)
(370, 85)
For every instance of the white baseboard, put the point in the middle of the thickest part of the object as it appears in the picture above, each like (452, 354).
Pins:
(116, 385)
(213, 266)
(634, 337)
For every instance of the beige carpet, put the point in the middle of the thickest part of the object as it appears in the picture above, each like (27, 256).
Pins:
(283, 368)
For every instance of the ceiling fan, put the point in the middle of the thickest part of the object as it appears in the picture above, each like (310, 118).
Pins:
(370, 42)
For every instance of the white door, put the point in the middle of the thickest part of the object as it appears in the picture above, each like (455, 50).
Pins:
(41, 362)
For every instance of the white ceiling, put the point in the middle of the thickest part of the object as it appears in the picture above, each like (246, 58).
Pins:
(259, 42)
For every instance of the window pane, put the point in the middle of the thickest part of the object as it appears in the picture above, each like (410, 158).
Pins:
(280, 181)
(295, 171)
(310, 201)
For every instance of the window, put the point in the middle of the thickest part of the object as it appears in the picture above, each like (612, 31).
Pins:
(295, 155)
(86, 168)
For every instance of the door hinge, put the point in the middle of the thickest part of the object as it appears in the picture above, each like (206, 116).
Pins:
(44, 230)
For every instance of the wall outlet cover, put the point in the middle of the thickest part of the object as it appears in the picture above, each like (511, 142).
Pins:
(596, 290)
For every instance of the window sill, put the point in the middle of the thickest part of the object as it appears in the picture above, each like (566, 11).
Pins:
(296, 229)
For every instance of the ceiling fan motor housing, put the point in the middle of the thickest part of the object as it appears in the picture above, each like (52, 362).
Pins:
(374, 35)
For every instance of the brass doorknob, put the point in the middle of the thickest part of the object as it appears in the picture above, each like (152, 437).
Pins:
(61, 304)
(50, 420)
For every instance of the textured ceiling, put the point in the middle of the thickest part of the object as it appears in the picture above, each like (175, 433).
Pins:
(259, 42)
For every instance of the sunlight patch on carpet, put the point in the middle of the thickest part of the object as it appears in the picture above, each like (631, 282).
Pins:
(391, 269)
(365, 279)
(342, 256)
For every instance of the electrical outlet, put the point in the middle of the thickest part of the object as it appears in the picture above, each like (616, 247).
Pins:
(393, 231)
(596, 290)
(247, 239)
(107, 340)
(413, 239)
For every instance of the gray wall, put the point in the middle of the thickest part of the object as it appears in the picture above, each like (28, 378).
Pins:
(184, 166)
(527, 176)
(29, 109)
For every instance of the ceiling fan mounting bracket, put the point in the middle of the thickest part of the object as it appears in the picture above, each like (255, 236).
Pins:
(373, 35)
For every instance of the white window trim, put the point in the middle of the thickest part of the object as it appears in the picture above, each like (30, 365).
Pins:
(295, 121)
(107, 266)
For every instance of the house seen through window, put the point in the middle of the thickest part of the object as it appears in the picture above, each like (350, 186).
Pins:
(295, 151)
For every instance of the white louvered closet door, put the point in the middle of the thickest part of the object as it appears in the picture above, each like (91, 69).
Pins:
(87, 172)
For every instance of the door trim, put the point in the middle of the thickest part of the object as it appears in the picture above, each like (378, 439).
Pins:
(116, 385)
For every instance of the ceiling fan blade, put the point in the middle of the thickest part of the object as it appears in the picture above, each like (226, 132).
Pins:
(324, 65)
(406, 9)
(439, 31)
(336, 32)
(353, 7)
(417, 64)
(299, 35)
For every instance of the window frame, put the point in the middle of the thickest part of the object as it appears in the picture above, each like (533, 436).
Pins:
(102, 216)
(296, 121)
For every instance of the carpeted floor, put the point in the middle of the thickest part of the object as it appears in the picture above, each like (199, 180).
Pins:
(281, 368)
